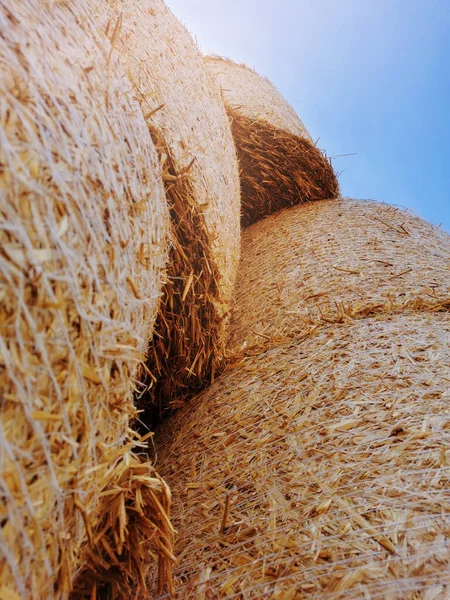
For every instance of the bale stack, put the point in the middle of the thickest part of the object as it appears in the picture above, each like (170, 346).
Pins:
(83, 238)
(185, 114)
(318, 464)
(279, 164)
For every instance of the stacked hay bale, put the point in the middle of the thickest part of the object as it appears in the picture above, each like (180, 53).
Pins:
(333, 260)
(317, 465)
(83, 237)
(320, 469)
(279, 164)
(184, 111)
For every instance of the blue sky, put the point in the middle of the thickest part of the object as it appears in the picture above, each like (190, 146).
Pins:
(370, 77)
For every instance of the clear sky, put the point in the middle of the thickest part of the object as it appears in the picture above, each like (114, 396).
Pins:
(370, 77)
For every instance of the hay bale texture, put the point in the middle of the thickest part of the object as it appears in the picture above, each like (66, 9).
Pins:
(332, 260)
(279, 164)
(185, 114)
(317, 465)
(319, 468)
(83, 238)
(254, 96)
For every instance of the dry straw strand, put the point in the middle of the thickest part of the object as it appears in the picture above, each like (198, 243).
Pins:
(83, 238)
(135, 510)
(185, 113)
(279, 164)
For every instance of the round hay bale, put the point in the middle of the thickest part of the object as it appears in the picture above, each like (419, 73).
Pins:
(83, 238)
(185, 113)
(254, 96)
(319, 469)
(330, 260)
(279, 163)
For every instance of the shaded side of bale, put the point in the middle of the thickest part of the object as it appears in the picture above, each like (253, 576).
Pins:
(279, 164)
(186, 350)
(328, 260)
(277, 169)
(183, 106)
(319, 468)
(83, 246)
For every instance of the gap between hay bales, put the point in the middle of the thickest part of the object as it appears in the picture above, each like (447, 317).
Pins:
(277, 169)
(185, 352)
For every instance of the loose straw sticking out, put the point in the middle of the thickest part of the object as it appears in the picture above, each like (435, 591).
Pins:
(333, 454)
(329, 260)
(135, 509)
(188, 343)
(277, 169)
(184, 109)
(83, 238)
(279, 164)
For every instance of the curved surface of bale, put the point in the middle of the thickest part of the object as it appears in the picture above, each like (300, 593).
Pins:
(185, 113)
(83, 238)
(254, 96)
(279, 164)
(319, 469)
(326, 260)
